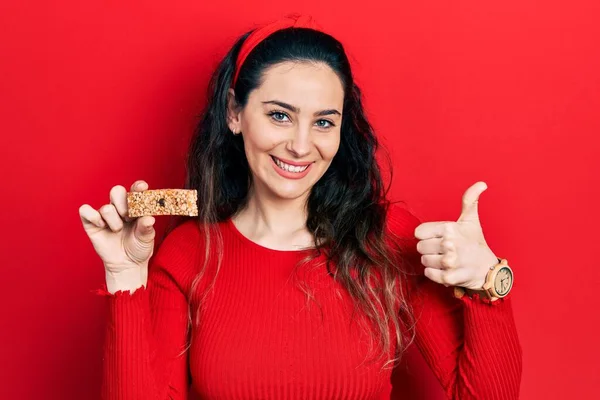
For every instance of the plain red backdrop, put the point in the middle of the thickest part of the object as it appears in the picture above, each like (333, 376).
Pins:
(94, 95)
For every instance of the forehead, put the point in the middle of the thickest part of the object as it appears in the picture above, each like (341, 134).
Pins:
(309, 86)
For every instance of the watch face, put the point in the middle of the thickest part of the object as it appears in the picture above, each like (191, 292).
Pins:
(503, 281)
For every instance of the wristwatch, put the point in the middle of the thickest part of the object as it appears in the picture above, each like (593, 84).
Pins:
(498, 282)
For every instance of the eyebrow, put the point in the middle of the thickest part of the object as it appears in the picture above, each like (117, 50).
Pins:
(297, 110)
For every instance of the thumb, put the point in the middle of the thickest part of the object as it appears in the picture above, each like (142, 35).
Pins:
(470, 202)
(144, 229)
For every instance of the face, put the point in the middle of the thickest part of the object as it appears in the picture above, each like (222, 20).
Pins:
(291, 128)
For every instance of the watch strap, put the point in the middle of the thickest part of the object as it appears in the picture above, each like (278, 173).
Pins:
(461, 291)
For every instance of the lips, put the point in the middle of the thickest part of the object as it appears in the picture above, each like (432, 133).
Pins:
(288, 174)
(293, 163)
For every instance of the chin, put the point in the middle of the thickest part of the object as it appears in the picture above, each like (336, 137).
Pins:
(288, 192)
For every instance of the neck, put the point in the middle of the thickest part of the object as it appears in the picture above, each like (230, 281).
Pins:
(274, 221)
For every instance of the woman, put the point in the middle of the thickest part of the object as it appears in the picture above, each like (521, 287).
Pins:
(298, 278)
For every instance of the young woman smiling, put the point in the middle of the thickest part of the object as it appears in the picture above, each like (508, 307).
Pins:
(298, 279)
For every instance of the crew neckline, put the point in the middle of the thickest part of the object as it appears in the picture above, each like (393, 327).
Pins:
(246, 240)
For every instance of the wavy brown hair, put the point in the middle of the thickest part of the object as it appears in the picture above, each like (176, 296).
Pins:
(347, 207)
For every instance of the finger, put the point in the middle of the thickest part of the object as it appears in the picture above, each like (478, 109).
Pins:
(439, 261)
(446, 277)
(429, 230)
(430, 246)
(139, 186)
(437, 275)
(89, 216)
(470, 202)
(118, 198)
(144, 230)
(435, 246)
(111, 217)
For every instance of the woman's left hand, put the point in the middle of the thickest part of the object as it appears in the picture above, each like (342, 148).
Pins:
(456, 253)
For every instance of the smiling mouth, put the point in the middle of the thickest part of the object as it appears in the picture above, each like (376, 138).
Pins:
(288, 167)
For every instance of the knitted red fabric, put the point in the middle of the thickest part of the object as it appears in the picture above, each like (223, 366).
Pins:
(257, 338)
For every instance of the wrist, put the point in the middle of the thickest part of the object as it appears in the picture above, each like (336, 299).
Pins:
(497, 284)
(129, 279)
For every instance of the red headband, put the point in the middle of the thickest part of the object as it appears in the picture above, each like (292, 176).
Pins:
(258, 35)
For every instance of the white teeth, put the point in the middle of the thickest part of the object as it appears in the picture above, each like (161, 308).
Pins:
(287, 167)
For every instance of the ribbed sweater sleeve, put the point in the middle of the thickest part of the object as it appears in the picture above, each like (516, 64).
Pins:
(471, 344)
(145, 353)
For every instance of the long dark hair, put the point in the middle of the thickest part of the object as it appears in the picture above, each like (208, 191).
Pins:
(346, 208)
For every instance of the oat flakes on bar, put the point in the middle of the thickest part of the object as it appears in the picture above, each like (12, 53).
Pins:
(163, 202)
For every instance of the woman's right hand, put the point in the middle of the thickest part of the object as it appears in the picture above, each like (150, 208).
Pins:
(124, 244)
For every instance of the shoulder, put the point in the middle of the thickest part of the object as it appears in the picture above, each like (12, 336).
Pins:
(184, 231)
(178, 255)
(183, 238)
(401, 222)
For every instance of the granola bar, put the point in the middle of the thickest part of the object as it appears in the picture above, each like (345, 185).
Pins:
(163, 202)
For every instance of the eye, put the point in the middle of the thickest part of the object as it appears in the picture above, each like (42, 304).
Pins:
(328, 124)
(278, 116)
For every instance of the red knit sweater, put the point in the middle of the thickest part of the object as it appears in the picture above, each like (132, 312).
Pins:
(257, 338)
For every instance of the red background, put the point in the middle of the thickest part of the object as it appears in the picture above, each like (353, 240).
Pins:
(505, 92)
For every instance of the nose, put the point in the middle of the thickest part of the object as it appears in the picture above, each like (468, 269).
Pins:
(300, 142)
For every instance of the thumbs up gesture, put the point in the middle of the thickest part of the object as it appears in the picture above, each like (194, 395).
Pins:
(456, 253)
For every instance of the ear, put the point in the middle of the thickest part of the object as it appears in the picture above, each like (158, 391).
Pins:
(233, 112)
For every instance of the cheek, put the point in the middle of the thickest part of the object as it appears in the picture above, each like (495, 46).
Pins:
(259, 138)
(328, 146)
